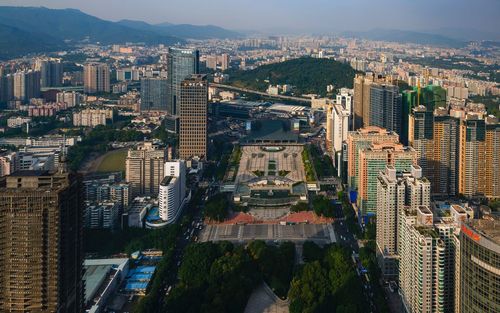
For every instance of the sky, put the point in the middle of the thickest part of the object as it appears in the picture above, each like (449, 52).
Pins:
(301, 16)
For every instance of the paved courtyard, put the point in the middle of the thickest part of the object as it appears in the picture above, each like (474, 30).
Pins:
(319, 233)
(255, 158)
(263, 300)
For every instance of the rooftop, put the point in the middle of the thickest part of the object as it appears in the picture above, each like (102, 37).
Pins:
(488, 227)
(271, 131)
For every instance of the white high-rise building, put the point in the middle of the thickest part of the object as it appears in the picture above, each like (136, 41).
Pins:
(395, 191)
(172, 192)
(427, 257)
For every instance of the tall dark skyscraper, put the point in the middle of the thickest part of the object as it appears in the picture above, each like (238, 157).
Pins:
(41, 256)
(385, 107)
(182, 63)
(193, 117)
(154, 94)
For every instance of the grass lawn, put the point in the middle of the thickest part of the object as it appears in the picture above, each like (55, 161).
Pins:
(114, 161)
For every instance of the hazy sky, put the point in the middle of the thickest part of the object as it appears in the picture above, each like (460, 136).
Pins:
(297, 15)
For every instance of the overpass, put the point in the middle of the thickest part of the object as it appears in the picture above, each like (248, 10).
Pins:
(260, 93)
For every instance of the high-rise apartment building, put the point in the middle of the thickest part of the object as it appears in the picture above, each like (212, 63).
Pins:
(154, 94)
(431, 97)
(51, 71)
(374, 159)
(144, 169)
(26, 85)
(337, 128)
(172, 191)
(427, 257)
(362, 86)
(435, 138)
(377, 102)
(362, 139)
(395, 191)
(480, 266)
(96, 78)
(193, 117)
(41, 252)
(479, 157)
(224, 61)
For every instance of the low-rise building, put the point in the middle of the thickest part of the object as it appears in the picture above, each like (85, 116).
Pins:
(16, 122)
(92, 117)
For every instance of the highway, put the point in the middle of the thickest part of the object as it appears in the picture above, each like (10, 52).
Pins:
(282, 97)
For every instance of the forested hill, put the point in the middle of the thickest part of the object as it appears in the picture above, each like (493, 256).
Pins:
(307, 75)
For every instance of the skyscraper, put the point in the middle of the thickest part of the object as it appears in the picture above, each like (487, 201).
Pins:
(431, 97)
(182, 63)
(96, 78)
(435, 138)
(427, 256)
(144, 169)
(362, 139)
(374, 159)
(26, 85)
(193, 117)
(154, 94)
(361, 105)
(385, 107)
(41, 252)
(395, 191)
(51, 72)
(443, 168)
(480, 266)
(377, 102)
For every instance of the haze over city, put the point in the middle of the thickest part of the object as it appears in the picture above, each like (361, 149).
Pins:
(449, 17)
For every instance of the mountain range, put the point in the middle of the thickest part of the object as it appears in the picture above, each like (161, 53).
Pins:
(405, 36)
(38, 29)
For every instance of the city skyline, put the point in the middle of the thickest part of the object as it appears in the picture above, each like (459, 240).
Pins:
(281, 16)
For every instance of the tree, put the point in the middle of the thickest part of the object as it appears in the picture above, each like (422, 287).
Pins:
(309, 291)
(323, 206)
(217, 208)
(299, 207)
(312, 252)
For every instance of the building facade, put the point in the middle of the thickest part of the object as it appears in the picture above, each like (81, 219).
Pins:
(362, 139)
(396, 191)
(42, 272)
(96, 78)
(480, 266)
(92, 117)
(374, 159)
(427, 256)
(182, 63)
(385, 107)
(172, 191)
(154, 94)
(193, 117)
(145, 169)
(51, 71)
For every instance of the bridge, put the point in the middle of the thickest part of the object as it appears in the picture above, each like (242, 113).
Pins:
(260, 93)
